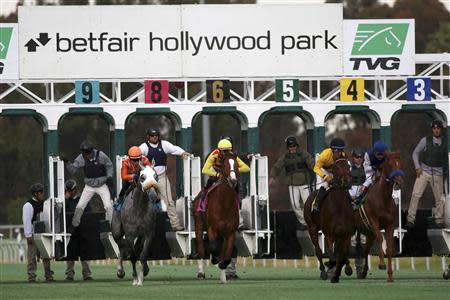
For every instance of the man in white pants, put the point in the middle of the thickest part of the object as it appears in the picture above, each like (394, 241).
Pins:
(156, 151)
(98, 173)
(294, 168)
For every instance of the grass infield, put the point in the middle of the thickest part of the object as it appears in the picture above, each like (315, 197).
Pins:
(170, 282)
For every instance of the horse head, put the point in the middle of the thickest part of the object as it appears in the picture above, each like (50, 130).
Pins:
(342, 173)
(148, 178)
(391, 168)
(230, 168)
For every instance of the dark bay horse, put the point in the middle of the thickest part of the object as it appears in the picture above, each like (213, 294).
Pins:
(379, 211)
(221, 218)
(133, 228)
(334, 219)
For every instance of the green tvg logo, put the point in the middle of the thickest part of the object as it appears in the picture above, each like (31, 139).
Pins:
(5, 38)
(380, 39)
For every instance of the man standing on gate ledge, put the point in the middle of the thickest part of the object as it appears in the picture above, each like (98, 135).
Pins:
(295, 165)
(429, 158)
(30, 212)
(98, 173)
(156, 151)
(72, 197)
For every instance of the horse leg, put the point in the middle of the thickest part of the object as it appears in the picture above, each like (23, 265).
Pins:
(340, 247)
(379, 237)
(214, 245)
(359, 256)
(201, 269)
(369, 242)
(314, 236)
(117, 233)
(225, 257)
(389, 249)
(133, 264)
(329, 241)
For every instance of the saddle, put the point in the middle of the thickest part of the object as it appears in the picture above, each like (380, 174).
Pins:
(203, 202)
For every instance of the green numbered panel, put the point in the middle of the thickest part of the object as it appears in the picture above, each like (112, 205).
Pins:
(286, 90)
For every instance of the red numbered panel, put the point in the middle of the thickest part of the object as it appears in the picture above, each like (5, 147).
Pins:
(156, 91)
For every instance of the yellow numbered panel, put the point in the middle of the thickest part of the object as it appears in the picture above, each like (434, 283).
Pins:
(352, 90)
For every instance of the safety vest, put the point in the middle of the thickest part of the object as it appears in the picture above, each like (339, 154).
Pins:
(93, 168)
(157, 156)
(358, 175)
(434, 154)
(294, 162)
(38, 207)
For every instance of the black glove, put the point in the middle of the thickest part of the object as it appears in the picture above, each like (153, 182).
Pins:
(136, 177)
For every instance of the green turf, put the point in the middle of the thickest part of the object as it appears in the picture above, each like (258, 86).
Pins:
(179, 282)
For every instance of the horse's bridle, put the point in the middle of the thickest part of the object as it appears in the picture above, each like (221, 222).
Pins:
(224, 178)
(341, 183)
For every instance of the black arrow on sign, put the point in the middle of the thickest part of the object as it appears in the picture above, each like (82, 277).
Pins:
(31, 45)
(43, 38)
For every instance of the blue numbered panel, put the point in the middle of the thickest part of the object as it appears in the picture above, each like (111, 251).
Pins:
(87, 92)
(419, 88)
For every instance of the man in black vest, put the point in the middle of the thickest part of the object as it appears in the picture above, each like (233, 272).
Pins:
(98, 173)
(294, 168)
(156, 151)
(30, 212)
(358, 176)
(429, 158)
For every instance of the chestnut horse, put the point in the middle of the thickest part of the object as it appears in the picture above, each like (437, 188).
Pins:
(334, 219)
(221, 216)
(379, 211)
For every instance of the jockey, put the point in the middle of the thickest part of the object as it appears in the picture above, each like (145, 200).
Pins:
(130, 170)
(372, 162)
(212, 164)
(358, 173)
(323, 167)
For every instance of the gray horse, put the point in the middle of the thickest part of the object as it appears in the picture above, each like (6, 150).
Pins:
(133, 228)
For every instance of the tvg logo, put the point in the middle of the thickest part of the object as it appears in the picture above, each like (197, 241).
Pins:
(379, 39)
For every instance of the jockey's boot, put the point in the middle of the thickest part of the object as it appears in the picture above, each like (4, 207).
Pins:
(319, 198)
(357, 202)
(118, 204)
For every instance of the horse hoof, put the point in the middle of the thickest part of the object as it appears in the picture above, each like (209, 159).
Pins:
(446, 275)
(390, 280)
(360, 273)
(146, 270)
(201, 275)
(334, 279)
(348, 270)
(214, 260)
(120, 274)
(323, 275)
(382, 267)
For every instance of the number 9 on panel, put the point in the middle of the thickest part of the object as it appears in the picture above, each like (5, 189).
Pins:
(87, 92)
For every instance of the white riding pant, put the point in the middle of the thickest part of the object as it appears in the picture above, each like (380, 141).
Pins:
(86, 196)
(298, 195)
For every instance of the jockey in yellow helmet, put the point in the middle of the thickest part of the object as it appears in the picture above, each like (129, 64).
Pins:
(212, 164)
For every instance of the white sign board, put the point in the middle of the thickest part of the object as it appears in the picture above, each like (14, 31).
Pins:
(379, 47)
(9, 51)
(180, 41)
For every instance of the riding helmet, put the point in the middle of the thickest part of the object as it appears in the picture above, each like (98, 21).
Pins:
(226, 137)
(70, 185)
(358, 152)
(86, 147)
(291, 141)
(337, 143)
(379, 147)
(134, 152)
(224, 145)
(153, 131)
(37, 187)
(437, 124)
